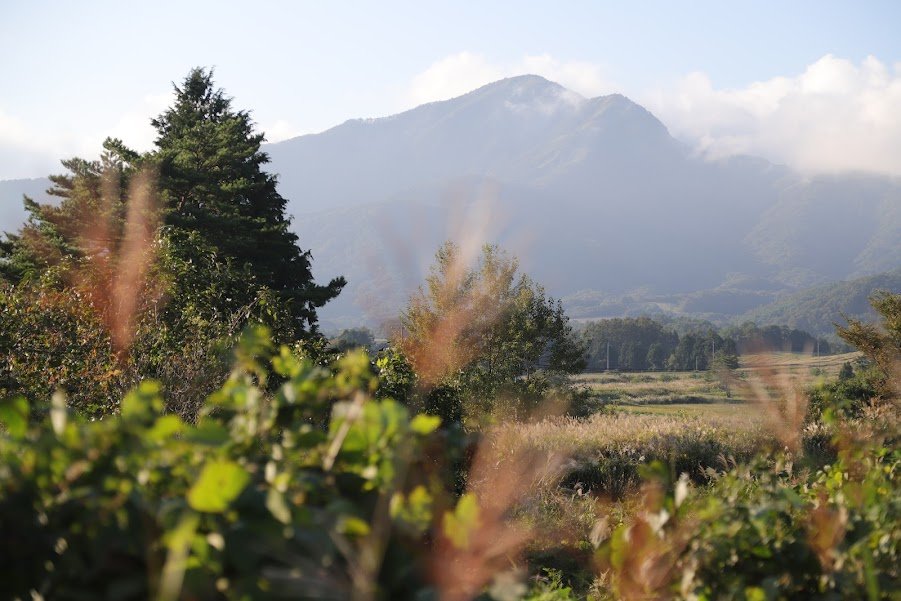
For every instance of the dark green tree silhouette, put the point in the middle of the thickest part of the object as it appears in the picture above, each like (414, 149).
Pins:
(214, 188)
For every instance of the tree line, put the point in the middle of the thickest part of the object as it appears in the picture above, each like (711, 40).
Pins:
(646, 344)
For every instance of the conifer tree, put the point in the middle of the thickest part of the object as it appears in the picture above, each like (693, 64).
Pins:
(214, 187)
(225, 242)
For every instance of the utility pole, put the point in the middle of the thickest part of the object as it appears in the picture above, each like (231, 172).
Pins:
(712, 351)
(608, 356)
(818, 347)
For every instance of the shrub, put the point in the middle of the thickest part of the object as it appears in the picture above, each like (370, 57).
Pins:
(255, 500)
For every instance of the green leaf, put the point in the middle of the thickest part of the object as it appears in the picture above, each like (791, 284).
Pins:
(208, 432)
(275, 503)
(424, 424)
(143, 402)
(165, 427)
(220, 483)
(14, 415)
(459, 525)
(353, 526)
(413, 511)
(755, 593)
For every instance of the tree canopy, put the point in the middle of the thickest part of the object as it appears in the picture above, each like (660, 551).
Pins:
(212, 183)
(218, 206)
(171, 250)
(486, 329)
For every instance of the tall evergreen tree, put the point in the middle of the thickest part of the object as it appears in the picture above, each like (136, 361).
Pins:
(214, 187)
(226, 242)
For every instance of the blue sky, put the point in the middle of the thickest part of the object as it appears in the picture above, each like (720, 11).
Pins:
(73, 73)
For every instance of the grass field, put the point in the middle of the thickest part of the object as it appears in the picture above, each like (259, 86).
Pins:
(691, 421)
(705, 392)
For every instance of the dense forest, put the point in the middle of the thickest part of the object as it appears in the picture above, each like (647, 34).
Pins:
(176, 426)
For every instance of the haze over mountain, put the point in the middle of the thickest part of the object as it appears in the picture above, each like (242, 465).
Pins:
(594, 196)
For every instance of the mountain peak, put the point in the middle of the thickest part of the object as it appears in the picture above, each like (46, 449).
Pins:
(525, 88)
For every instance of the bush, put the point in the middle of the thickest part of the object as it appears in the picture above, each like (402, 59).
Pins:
(254, 501)
(763, 531)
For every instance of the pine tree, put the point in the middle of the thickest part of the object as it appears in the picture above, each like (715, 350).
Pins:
(225, 244)
(214, 187)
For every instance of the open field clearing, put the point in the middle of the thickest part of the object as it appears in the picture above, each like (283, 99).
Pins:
(605, 451)
(690, 421)
(653, 387)
(797, 361)
(777, 370)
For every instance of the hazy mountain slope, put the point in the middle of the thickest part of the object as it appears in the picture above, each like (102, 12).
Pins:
(599, 202)
(524, 130)
(592, 194)
(816, 309)
(832, 227)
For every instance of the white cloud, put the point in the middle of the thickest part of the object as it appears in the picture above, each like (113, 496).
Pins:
(835, 116)
(34, 149)
(23, 152)
(280, 130)
(460, 73)
(133, 126)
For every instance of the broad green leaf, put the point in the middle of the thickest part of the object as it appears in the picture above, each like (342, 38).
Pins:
(755, 593)
(460, 525)
(220, 483)
(424, 424)
(165, 427)
(275, 503)
(413, 510)
(353, 526)
(14, 415)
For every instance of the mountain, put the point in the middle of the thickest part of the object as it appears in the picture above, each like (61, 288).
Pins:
(593, 194)
(598, 201)
(817, 309)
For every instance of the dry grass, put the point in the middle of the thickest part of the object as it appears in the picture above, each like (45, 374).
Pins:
(653, 387)
(603, 431)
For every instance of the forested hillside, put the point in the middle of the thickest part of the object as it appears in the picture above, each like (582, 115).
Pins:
(818, 309)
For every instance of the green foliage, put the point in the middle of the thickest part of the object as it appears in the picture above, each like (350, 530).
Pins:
(634, 343)
(751, 338)
(550, 587)
(816, 310)
(211, 180)
(477, 335)
(848, 396)
(655, 344)
(396, 376)
(50, 337)
(880, 343)
(64, 276)
(353, 338)
(846, 372)
(762, 531)
(872, 382)
(254, 501)
(835, 534)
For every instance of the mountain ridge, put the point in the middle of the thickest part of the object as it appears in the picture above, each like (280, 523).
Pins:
(593, 194)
